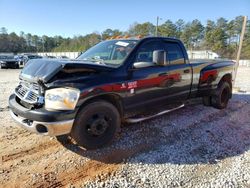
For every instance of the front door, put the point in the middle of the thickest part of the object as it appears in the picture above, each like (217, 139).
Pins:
(159, 84)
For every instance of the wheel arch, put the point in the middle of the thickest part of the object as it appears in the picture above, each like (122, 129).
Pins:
(112, 98)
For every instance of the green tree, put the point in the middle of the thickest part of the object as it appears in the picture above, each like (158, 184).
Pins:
(219, 41)
(180, 24)
(79, 43)
(110, 33)
(168, 29)
(238, 21)
(186, 35)
(208, 38)
(145, 29)
(3, 30)
(193, 34)
(246, 43)
(216, 37)
(222, 36)
(14, 44)
(222, 23)
(197, 33)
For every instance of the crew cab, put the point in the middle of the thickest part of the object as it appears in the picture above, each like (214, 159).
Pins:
(113, 82)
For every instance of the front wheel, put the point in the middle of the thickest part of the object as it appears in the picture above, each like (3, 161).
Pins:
(222, 96)
(96, 125)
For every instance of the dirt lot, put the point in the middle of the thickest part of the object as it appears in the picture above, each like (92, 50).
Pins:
(195, 146)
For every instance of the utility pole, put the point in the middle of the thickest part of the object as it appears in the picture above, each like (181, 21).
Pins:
(156, 28)
(43, 46)
(240, 46)
(42, 43)
(101, 37)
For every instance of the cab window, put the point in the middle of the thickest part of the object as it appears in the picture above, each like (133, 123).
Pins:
(174, 53)
(145, 52)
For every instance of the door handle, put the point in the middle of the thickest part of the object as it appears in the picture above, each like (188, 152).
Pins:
(186, 71)
(163, 74)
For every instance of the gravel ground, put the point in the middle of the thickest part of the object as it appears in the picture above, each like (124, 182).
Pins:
(195, 146)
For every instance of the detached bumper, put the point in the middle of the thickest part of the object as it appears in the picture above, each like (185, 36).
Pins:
(41, 121)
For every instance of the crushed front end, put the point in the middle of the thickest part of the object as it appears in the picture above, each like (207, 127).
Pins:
(27, 107)
(27, 103)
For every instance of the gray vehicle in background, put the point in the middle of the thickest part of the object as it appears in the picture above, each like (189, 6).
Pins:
(63, 57)
(27, 57)
(8, 61)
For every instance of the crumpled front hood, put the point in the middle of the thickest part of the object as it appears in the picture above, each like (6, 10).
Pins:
(43, 69)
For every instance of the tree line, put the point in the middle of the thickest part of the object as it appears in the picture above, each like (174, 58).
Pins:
(221, 36)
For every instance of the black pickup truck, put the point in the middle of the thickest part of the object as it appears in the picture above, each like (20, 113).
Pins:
(113, 82)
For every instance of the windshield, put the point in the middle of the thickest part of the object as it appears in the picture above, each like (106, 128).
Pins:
(111, 52)
(6, 57)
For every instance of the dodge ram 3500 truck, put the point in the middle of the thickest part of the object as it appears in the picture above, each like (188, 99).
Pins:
(88, 98)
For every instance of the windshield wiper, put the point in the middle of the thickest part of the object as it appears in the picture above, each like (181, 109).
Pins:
(96, 60)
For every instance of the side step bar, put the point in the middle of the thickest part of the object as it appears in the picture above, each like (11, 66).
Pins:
(136, 120)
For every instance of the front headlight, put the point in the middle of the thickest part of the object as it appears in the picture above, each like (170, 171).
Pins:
(61, 98)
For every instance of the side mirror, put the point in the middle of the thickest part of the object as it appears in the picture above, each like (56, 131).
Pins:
(138, 65)
(159, 57)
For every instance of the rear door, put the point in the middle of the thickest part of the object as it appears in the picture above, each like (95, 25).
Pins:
(179, 72)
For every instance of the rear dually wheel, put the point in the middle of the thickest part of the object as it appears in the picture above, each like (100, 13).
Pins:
(222, 95)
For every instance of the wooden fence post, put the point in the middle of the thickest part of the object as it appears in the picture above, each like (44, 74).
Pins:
(240, 47)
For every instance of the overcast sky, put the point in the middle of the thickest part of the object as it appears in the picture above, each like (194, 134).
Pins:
(80, 17)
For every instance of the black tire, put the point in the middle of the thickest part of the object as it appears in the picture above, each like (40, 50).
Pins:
(17, 66)
(222, 95)
(96, 125)
(206, 100)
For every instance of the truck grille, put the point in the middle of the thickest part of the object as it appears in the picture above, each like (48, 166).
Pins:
(28, 92)
(11, 62)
